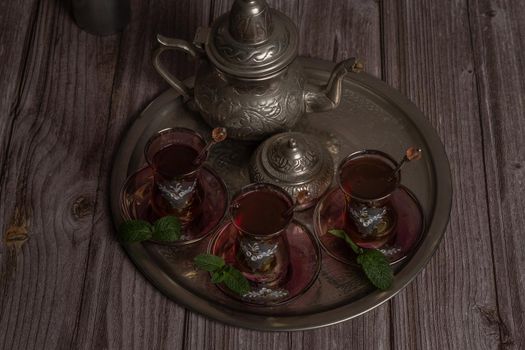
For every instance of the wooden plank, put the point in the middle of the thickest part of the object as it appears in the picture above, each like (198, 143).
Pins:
(73, 286)
(369, 331)
(53, 161)
(498, 42)
(202, 333)
(125, 310)
(428, 56)
(335, 30)
(16, 24)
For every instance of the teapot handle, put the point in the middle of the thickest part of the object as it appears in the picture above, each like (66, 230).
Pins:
(173, 44)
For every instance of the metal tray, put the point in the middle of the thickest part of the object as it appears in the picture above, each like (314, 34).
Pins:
(371, 115)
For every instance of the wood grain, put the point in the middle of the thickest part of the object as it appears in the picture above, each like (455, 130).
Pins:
(498, 44)
(68, 97)
(53, 162)
(17, 21)
(123, 310)
(429, 57)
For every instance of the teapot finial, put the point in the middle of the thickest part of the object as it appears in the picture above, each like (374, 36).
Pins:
(252, 40)
(250, 21)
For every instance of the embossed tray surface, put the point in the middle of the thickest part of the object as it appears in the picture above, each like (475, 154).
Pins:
(371, 116)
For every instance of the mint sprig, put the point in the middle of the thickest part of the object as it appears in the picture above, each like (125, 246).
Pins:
(209, 262)
(376, 268)
(235, 280)
(373, 262)
(166, 229)
(223, 273)
(135, 231)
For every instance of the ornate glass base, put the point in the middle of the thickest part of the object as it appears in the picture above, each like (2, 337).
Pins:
(136, 203)
(302, 269)
(330, 213)
(370, 225)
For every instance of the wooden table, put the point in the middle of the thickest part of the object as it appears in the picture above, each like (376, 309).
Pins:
(67, 97)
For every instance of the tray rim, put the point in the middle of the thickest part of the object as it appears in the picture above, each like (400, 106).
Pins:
(435, 228)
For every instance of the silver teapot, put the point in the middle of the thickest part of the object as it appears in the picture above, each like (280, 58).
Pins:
(247, 77)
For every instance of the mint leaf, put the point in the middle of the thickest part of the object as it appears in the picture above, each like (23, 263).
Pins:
(235, 281)
(135, 231)
(342, 234)
(376, 268)
(217, 276)
(222, 273)
(209, 262)
(374, 263)
(167, 228)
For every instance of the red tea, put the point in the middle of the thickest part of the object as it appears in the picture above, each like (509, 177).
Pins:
(176, 192)
(175, 160)
(261, 212)
(367, 177)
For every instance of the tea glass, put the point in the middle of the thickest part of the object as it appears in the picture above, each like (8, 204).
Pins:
(261, 213)
(176, 192)
(370, 216)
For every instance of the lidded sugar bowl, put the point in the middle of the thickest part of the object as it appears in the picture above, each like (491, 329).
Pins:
(296, 162)
(247, 77)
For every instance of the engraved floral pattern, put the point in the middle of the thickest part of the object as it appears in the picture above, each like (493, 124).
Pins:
(257, 253)
(250, 28)
(316, 186)
(253, 110)
(264, 293)
(284, 164)
(368, 219)
(249, 55)
(177, 193)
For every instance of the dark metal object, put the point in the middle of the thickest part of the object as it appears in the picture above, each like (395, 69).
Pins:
(248, 79)
(331, 213)
(411, 154)
(296, 162)
(101, 17)
(372, 116)
(252, 40)
(373, 218)
(303, 267)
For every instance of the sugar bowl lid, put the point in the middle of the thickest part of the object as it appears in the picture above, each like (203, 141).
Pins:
(252, 40)
(296, 162)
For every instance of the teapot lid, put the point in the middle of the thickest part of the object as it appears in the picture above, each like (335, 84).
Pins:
(252, 40)
(294, 161)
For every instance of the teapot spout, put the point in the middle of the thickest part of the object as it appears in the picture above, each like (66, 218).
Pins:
(328, 97)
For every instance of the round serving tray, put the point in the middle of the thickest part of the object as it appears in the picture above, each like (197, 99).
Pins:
(371, 115)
